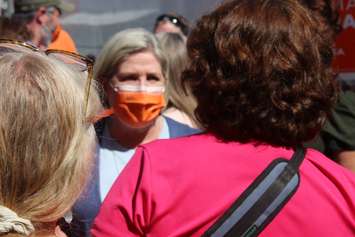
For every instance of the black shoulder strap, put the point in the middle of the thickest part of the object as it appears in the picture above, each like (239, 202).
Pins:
(262, 200)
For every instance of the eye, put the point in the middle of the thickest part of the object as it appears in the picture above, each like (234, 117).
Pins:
(127, 78)
(153, 78)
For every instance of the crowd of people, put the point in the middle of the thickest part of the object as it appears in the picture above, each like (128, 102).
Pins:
(167, 133)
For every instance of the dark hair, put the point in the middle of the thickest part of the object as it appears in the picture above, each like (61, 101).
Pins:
(178, 20)
(260, 70)
(328, 11)
(10, 28)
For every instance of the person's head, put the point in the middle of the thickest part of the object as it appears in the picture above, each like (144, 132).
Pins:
(174, 47)
(46, 141)
(53, 14)
(55, 10)
(260, 70)
(41, 17)
(172, 22)
(132, 69)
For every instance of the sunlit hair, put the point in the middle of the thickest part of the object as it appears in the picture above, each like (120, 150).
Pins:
(174, 47)
(46, 142)
(260, 70)
(122, 45)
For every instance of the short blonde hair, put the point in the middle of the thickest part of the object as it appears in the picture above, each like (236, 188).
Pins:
(124, 44)
(46, 145)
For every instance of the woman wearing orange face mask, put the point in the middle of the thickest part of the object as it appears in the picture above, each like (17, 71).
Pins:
(131, 69)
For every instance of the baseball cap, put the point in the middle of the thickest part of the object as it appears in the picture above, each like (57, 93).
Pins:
(23, 6)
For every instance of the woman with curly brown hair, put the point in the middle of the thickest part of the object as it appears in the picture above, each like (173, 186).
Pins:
(337, 138)
(261, 74)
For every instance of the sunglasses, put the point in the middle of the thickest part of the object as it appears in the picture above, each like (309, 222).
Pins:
(73, 60)
(176, 21)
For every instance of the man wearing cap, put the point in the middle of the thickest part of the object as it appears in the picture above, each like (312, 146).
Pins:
(41, 20)
(60, 38)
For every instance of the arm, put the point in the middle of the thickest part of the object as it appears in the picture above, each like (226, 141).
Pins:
(347, 159)
(126, 209)
(339, 133)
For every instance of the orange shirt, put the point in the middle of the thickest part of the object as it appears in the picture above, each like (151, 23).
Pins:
(62, 41)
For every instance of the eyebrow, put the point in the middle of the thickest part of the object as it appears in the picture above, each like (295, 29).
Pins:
(125, 74)
(154, 74)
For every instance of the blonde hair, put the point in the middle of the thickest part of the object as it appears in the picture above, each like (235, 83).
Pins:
(46, 145)
(174, 47)
(122, 45)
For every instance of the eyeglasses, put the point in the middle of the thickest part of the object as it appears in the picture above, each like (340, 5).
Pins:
(76, 61)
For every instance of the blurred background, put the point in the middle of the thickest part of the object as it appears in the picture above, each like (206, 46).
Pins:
(93, 21)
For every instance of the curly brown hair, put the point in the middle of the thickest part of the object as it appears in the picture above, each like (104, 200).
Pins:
(260, 70)
(328, 11)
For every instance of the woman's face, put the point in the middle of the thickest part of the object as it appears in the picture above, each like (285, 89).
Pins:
(135, 91)
(141, 68)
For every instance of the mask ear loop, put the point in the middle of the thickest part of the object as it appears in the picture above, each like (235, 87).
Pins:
(103, 114)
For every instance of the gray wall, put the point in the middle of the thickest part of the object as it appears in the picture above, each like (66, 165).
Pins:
(96, 20)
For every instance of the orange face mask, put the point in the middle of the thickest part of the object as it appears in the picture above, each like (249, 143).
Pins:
(138, 106)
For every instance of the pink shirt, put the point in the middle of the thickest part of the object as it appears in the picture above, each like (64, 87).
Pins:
(180, 187)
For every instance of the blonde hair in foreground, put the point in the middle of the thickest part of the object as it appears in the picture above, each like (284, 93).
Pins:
(45, 142)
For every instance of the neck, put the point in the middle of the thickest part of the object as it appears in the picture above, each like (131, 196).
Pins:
(132, 137)
(55, 232)
(56, 32)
